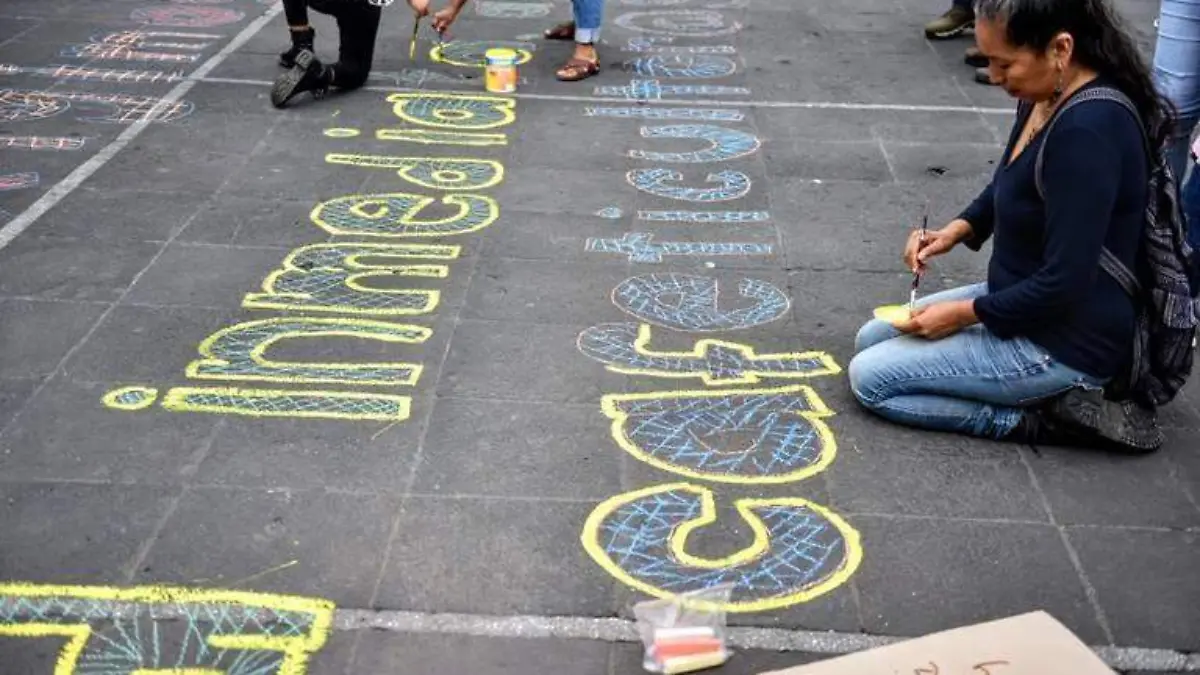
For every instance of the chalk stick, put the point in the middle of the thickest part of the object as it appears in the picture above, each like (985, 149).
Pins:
(687, 664)
(892, 313)
(689, 647)
(683, 632)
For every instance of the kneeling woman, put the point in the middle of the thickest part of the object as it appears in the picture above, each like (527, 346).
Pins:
(977, 360)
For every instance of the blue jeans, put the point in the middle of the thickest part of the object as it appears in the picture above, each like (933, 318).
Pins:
(589, 14)
(1177, 72)
(971, 382)
(1189, 206)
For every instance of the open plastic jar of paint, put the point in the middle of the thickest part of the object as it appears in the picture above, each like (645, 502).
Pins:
(501, 73)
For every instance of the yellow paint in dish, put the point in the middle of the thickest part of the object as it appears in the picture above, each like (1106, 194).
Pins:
(893, 314)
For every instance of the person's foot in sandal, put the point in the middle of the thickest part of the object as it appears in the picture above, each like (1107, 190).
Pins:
(584, 63)
(563, 31)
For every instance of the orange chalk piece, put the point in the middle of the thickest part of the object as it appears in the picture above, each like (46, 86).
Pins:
(666, 649)
(688, 664)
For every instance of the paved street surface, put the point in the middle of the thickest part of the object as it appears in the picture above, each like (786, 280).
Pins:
(425, 352)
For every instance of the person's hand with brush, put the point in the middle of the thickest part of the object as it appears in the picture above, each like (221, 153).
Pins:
(447, 15)
(941, 319)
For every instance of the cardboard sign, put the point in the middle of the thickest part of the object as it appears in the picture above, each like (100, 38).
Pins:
(1028, 644)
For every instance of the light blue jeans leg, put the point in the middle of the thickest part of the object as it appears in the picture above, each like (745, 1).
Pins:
(1177, 72)
(972, 382)
(589, 14)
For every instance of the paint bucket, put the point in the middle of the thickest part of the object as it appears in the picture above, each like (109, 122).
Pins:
(501, 73)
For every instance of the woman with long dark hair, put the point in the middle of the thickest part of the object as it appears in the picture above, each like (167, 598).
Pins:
(980, 359)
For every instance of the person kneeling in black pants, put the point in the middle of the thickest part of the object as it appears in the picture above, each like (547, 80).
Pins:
(358, 24)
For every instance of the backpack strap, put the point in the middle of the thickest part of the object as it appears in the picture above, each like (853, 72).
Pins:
(1108, 262)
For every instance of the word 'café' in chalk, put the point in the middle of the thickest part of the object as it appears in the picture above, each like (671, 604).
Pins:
(718, 389)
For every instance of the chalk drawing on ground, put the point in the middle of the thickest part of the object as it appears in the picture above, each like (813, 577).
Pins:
(724, 144)
(186, 16)
(338, 278)
(159, 629)
(705, 217)
(397, 215)
(415, 77)
(678, 23)
(646, 112)
(18, 181)
(640, 247)
(435, 173)
(67, 73)
(610, 212)
(653, 90)
(470, 53)
(800, 550)
(23, 106)
(453, 111)
(41, 142)
(691, 303)
(239, 352)
(140, 45)
(655, 44)
(689, 66)
(434, 137)
(625, 348)
(16, 106)
(330, 405)
(656, 181)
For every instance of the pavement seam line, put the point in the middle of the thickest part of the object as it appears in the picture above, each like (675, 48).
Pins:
(622, 630)
(575, 98)
(84, 171)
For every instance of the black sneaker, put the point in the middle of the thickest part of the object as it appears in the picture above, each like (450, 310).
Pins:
(301, 39)
(983, 76)
(974, 57)
(307, 75)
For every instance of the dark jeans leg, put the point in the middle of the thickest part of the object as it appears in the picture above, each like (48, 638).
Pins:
(968, 5)
(296, 12)
(358, 24)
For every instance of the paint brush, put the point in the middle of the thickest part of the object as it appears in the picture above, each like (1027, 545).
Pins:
(412, 45)
(912, 295)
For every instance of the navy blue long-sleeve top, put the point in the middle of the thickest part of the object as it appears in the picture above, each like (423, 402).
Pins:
(1044, 277)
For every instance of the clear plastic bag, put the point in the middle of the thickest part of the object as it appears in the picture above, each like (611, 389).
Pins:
(684, 633)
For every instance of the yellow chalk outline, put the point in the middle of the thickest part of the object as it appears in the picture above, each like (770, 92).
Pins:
(111, 398)
(178, 671)
(678, 541)
(504, 105)
(700, 351)
(256, 354)
(432, 297)
(436, 54)
(296, 650)
(430, 137)
(819, 411)
(176, 401)
(405, 165)
(341, 132)
(462, 201)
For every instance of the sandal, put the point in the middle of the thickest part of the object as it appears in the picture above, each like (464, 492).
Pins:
(563, 31)
(578, 69)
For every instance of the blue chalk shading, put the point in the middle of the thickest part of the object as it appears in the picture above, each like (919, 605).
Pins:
(734, 185)
(689, 302)
(640, 248)
(805, 548)
(614, 344)
(692, 66)
(654, 89)
(702, 217)
(642, 112)
(725, 144)
(610, 212)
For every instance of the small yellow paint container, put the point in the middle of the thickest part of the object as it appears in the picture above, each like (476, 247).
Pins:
(893, 314)
(501, 70)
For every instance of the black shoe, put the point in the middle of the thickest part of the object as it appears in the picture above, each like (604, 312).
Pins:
(307, 75)
(974, 57)
(301, 39)
(982, 76)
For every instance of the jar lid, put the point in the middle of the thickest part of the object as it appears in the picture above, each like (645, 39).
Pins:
(501, 55)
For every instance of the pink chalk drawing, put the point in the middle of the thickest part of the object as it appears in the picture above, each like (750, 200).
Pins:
(18, 181)
(187, 16)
